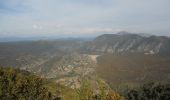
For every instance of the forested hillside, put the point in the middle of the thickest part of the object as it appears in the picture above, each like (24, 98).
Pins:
(21, 85)
(84, 70)
(133, 69)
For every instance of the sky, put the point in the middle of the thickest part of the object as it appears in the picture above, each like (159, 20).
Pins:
(83, 17)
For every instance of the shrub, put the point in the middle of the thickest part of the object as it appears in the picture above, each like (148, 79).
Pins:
(151, 91)
(21, 85)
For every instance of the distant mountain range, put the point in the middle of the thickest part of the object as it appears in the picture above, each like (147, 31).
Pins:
(124, 42)
(117, 58)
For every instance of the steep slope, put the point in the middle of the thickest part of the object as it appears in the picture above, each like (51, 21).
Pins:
(67, 69)
(58, 60)
(68, 61)
(128, 43)
(21, 85)
(34, 53)
(133, 69)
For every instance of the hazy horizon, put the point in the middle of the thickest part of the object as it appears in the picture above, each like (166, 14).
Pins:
(81, 18)
(85, 49)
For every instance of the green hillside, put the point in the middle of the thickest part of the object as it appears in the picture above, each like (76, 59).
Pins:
(133, 70)
(22, 85)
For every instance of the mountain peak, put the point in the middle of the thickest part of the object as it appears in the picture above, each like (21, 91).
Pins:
(125, 42)
(139, 34)
(123, 33)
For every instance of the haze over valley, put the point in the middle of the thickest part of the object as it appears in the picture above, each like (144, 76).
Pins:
(84, 50)
(106, 57)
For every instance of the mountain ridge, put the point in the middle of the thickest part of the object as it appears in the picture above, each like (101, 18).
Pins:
(129, 43)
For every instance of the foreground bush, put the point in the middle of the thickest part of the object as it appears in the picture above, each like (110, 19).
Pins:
(86, 92)
(151, 91)
(21, 85)
(114, 96)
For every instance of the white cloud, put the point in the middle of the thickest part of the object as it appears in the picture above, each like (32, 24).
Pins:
(85, 16)
(39, 27)
(96, 30)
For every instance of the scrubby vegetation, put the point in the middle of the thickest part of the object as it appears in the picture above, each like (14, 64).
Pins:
(22, 85)
(133, 70)
(151, 91)
(17, 84)
(86, 92)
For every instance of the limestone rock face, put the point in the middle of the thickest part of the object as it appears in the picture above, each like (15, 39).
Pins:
(129, 43)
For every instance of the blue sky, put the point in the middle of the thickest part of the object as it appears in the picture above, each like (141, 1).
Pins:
(83, 17)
